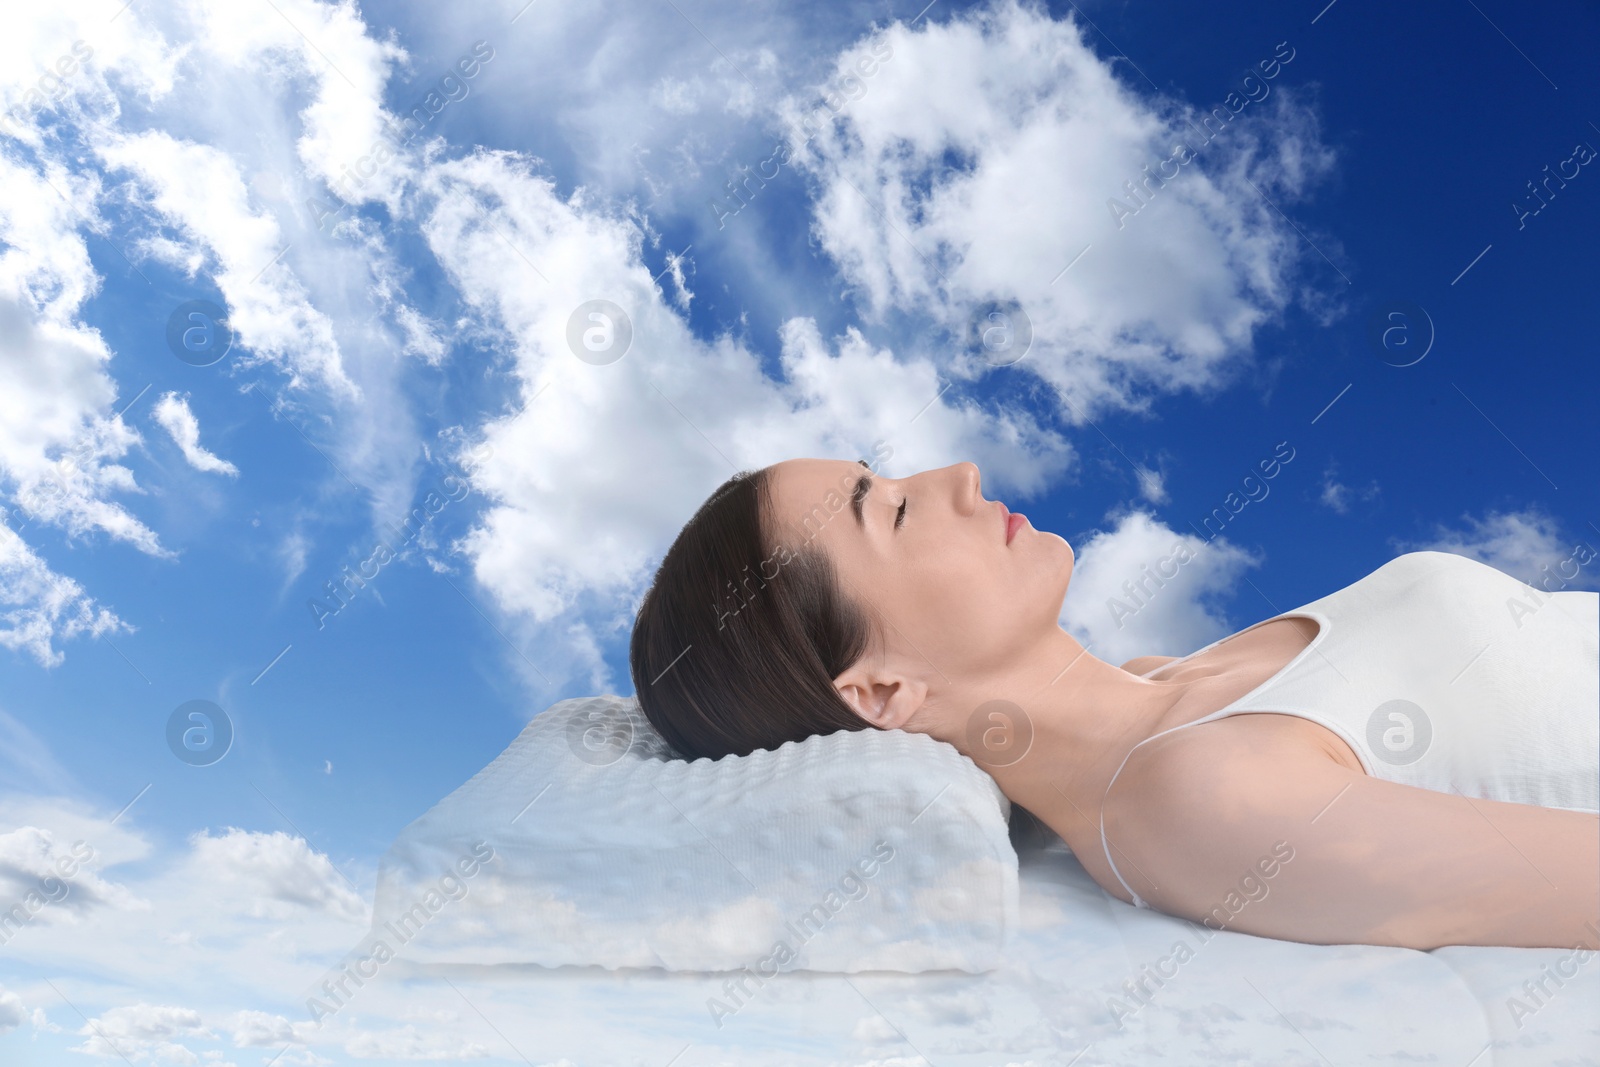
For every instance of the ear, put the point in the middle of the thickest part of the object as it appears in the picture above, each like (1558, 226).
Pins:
(885, 699)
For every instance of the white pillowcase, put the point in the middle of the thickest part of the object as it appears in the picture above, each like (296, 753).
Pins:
(586, 842)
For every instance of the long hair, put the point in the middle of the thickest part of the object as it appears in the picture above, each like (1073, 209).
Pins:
(738, 639)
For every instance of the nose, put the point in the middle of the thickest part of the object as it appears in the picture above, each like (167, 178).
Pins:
(968, 487)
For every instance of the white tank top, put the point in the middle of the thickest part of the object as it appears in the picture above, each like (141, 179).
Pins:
(1444, 673)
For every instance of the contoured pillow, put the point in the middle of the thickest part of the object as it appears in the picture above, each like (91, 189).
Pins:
(588, 842)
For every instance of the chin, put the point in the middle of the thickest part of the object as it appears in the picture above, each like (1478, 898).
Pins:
(1065, 563)
(1065, 549)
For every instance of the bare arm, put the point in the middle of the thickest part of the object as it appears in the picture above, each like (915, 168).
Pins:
(1308, 850)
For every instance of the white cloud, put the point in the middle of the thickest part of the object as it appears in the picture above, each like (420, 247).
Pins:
(1522, 543)
(408, 1043)
(58, 437)
(84, 51)
(12, 1013)
(611, 78)
(199, 189)
(874, 1030)
(1043, 135)
(1132, 594)
(260, 1029)
(422, 338)
(279, 876)
(1338, 496)
(39, 607)
(1152, 485)
(261, 908)
(292, 553)
(140, 1031)
(343, 67)
(172, 412)
(52, 880)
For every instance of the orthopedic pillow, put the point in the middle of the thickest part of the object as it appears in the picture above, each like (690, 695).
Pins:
(587, 842)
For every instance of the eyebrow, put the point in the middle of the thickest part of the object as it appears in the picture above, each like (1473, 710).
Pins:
(859, 494)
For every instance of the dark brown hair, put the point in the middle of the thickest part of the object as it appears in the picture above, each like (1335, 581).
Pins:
(738, 639)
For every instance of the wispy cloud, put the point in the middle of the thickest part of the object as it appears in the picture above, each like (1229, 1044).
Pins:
(172, 412)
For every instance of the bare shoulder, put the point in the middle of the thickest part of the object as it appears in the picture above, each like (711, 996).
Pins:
(1280, 840)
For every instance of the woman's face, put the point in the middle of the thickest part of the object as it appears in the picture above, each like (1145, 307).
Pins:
(928, 554)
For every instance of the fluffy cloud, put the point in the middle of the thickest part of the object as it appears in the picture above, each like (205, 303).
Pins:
(260, 1029)
(1133, 594)
(59, 440)
(199, 190)
(12, 1014)
(638, 103)
(342, 66)
(280, 876)
(143, 1031)
(202, 907)
(1520, 542)
(172, 412)
(977, 164)
(52, 880)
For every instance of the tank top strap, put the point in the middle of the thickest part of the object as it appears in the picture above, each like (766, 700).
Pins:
(1138, 901)
(1295, 665)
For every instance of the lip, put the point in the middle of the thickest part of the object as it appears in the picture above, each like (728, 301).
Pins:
(1015, 521)
(1011, 522)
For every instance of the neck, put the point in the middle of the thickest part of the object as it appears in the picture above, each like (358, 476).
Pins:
(1056, 724)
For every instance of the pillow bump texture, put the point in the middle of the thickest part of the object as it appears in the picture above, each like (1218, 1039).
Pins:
(588, 843)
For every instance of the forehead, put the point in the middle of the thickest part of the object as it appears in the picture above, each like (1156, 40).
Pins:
(801, 485)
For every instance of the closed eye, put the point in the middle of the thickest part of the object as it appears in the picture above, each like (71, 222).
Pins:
(900, 514)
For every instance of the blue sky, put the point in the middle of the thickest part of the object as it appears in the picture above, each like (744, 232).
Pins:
(1386, 167)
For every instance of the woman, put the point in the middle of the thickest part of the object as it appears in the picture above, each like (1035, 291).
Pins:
(1411, 760)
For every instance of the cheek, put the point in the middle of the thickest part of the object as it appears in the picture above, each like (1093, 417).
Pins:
(968, 612)
(949, 602)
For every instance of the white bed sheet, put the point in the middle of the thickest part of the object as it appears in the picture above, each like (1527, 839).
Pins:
(1238, 1000)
